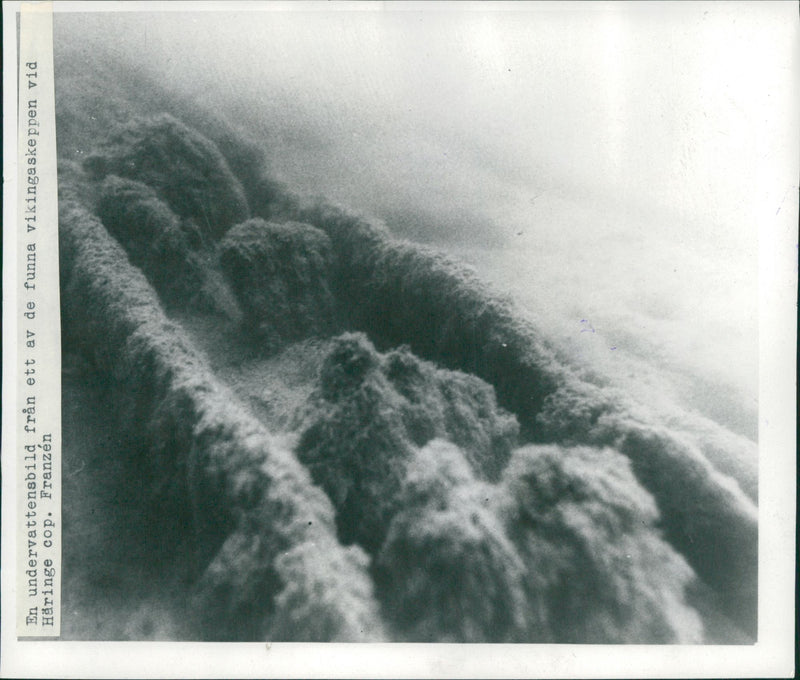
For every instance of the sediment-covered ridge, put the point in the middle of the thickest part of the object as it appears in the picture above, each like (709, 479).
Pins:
(360, 439)
(263, 534)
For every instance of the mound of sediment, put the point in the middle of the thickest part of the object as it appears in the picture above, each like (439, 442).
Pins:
(446, 527)
(704, 513)
(280, 274)
(182, 166)
(369, 414)
(155, 239)
(597, 567)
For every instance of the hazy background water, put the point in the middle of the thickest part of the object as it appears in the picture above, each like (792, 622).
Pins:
(608, 165)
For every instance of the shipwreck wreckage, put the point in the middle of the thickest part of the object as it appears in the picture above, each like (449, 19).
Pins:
(327, 433)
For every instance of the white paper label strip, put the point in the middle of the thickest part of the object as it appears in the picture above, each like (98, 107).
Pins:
(39, 335)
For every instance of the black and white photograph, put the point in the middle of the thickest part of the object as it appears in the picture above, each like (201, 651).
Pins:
(395, 323)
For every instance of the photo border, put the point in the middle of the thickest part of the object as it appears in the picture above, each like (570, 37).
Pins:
(772, 656)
